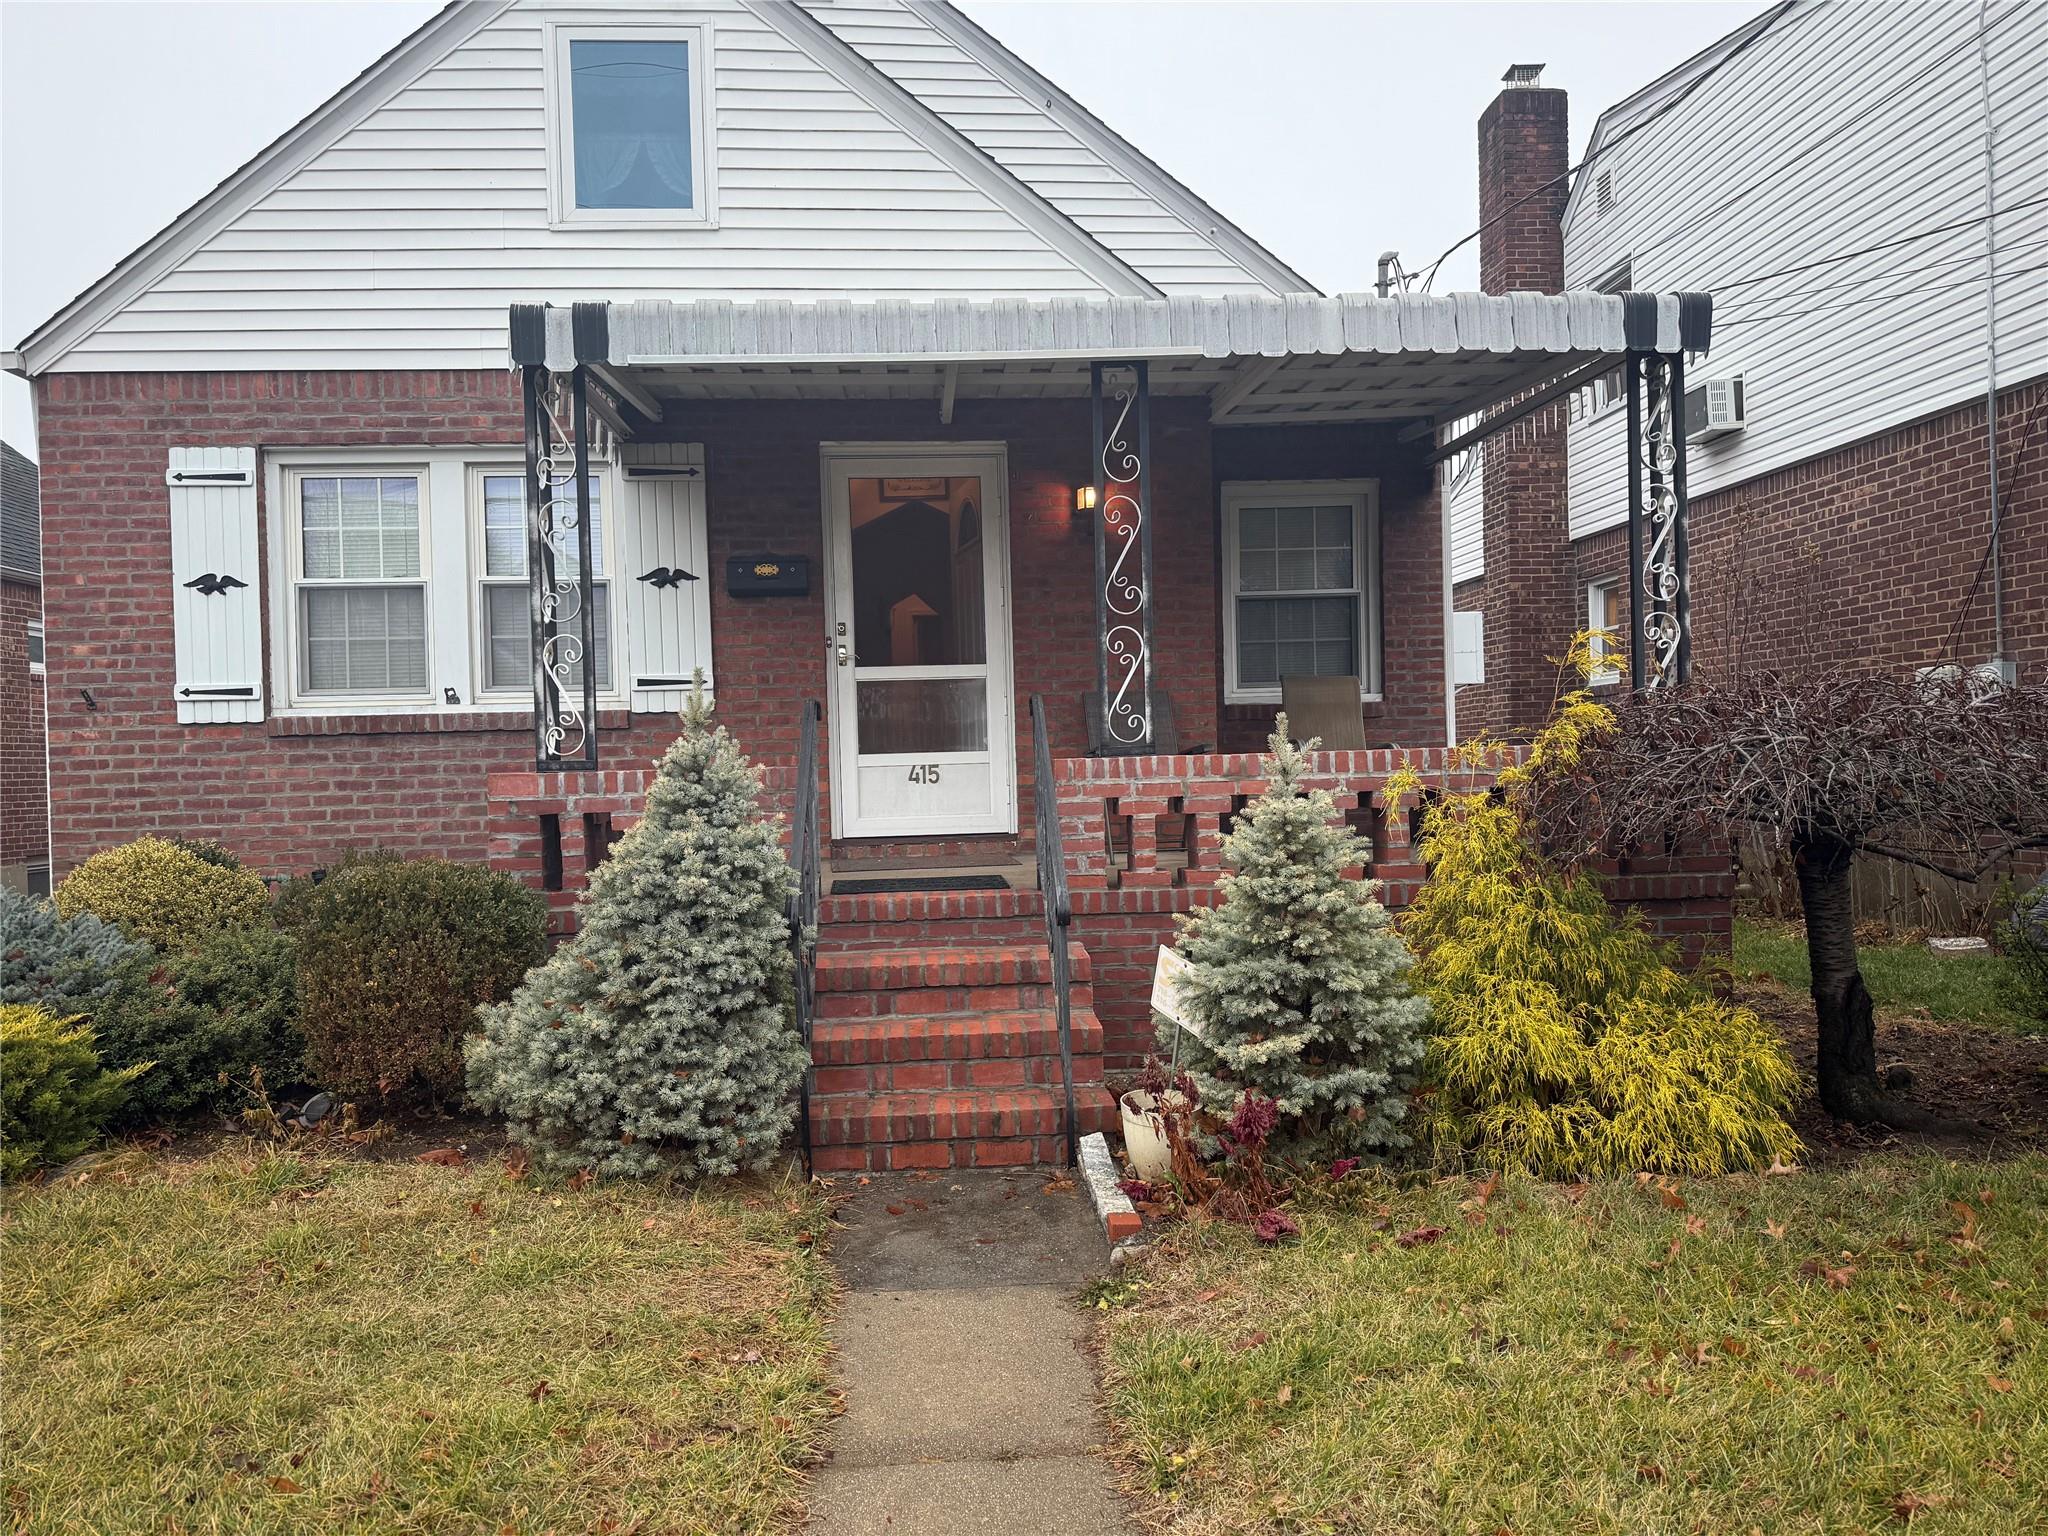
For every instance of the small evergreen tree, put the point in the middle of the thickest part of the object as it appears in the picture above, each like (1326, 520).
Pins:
(662, 1033)
(1298, 981)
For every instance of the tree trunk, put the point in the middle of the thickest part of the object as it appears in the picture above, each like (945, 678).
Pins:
(1847, 1065)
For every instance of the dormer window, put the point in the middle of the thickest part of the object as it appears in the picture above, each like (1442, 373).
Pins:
(629, 126)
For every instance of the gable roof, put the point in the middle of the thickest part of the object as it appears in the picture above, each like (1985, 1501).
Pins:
(460, 21)
(21, 543)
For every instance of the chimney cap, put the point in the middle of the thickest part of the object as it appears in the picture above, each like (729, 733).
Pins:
(1523, 76)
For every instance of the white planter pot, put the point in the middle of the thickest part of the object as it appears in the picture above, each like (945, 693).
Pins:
(1145, 1136)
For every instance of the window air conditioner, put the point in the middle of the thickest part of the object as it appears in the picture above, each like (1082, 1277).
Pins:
(1714, 409)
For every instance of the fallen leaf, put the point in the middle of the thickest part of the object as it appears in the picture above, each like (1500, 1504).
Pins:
(1251, 1341)
(1781, 1169)
(581, 1178)
(1695, 1226)
(1284, 1396)
(443, 1157)
(893, 1210)
(1650, 1472)
(1420, 1235)
(648, 1225)
(1735, 1347)
(1203, 1298)
(1909, 1504)
(1998, 1383)
(1671, 1198)
(476, 1207)
(1775, 1230)
(284, 1485)
(540, 1390)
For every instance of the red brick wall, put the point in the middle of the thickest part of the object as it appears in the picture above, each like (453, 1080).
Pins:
(292, 794)
(1863, 556)
(1411, 710)
(24, 802)
(1524, 150)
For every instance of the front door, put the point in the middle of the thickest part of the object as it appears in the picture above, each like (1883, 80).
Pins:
(918, 614)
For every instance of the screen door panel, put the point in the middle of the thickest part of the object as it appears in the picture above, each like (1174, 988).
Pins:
(920, 648)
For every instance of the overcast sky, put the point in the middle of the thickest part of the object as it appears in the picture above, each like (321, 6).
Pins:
(1331, 132)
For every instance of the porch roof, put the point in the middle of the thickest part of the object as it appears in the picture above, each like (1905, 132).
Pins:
(1258, 357)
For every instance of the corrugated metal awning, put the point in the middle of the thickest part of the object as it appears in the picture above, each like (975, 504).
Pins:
(1261, 357)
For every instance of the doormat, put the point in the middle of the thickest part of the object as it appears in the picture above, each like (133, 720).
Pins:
(889, 885)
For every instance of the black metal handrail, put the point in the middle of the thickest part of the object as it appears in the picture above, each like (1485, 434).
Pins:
(1059, 910)
(803, 903)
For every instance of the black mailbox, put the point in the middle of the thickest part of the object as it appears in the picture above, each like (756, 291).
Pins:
(768, 575)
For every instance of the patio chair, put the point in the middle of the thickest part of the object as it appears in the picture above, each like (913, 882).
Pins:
(1324, 707)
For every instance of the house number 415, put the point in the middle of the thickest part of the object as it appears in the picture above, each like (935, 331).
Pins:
(924, 773)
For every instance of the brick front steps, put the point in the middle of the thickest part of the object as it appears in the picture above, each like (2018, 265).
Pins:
(946, 1054)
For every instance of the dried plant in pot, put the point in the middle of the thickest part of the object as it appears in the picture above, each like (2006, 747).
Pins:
(1157, 1104)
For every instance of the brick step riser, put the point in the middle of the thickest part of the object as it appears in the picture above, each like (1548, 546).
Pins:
(895, 1039)
(848, 1121)
(957, 930)
(947, 1000)
(902, 1156)
(895, 968)
(862, 1082)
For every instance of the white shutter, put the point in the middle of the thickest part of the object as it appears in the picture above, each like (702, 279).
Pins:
(216, 585)
(668, 620)
(1468, 647)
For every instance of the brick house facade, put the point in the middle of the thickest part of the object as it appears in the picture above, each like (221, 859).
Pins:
(24, 797)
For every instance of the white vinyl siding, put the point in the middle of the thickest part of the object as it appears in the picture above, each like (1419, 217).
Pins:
(1847, 126)
(1466, 495)
(1018, 134)
(403, 244)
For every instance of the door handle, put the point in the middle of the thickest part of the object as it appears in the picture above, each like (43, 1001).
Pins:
(841, 649)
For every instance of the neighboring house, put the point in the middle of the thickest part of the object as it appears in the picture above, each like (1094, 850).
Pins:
(1841, 488)
(900, 384)
(24, 798)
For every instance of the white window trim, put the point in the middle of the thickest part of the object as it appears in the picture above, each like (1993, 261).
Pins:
(1596, 619)
(563, 212)
(1364, 499)
(36, 631)
(451, 533)
(614, 697)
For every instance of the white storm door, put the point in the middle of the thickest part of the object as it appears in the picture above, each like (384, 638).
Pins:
(918, 642)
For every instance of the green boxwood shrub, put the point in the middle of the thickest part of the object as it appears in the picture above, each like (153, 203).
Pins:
(229, 1003)
(67, 964)
(395, 955)
(162, 893)
(55, 1097)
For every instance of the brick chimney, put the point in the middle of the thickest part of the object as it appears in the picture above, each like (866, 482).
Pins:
(1524, 150)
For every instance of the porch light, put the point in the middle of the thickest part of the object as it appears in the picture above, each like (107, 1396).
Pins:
(1084, 498)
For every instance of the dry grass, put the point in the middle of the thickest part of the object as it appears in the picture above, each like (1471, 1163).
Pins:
(1840, 1352)
(274, 1343)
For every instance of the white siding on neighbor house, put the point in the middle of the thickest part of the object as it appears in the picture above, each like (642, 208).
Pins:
(1038, 150)
(1465, 496)
(402, 244)
(1848, 125)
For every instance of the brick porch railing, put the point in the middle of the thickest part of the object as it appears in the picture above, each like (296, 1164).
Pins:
(1143, 838)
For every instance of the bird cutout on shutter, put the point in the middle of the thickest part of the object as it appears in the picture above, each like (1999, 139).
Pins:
(667, 576)
(212, 585)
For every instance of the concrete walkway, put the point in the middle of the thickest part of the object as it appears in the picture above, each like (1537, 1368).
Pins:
(970, 1406)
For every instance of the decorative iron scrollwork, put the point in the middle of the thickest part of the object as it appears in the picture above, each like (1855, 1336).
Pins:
(1660, 602)
(559, 560)
(1123, 551)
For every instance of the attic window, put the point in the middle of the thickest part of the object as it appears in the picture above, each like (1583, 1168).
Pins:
(628, 126)
(1603, 193)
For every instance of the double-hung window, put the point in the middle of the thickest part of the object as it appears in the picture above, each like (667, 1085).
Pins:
(38, 652)
(628, 123)
(1301, 577)
(360, 580)
(1605, 619)
(504, 601)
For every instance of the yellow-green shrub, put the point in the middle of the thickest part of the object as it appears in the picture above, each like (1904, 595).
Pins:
(55, 1098)
(1563, 1041)
(164, 893)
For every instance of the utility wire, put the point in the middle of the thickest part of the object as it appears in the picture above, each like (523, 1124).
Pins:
(1887, 245)
(1873, 298)
(1925, 74)
(2017, 463)
(1618, 140)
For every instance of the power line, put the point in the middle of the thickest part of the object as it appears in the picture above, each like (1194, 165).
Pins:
(1924, 234)
(1872, 298)
(1617, 141)
(1925, 74)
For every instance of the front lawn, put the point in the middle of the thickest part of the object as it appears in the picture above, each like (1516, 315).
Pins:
(1833, 1352)
(1949, 989)
(272, 1343)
